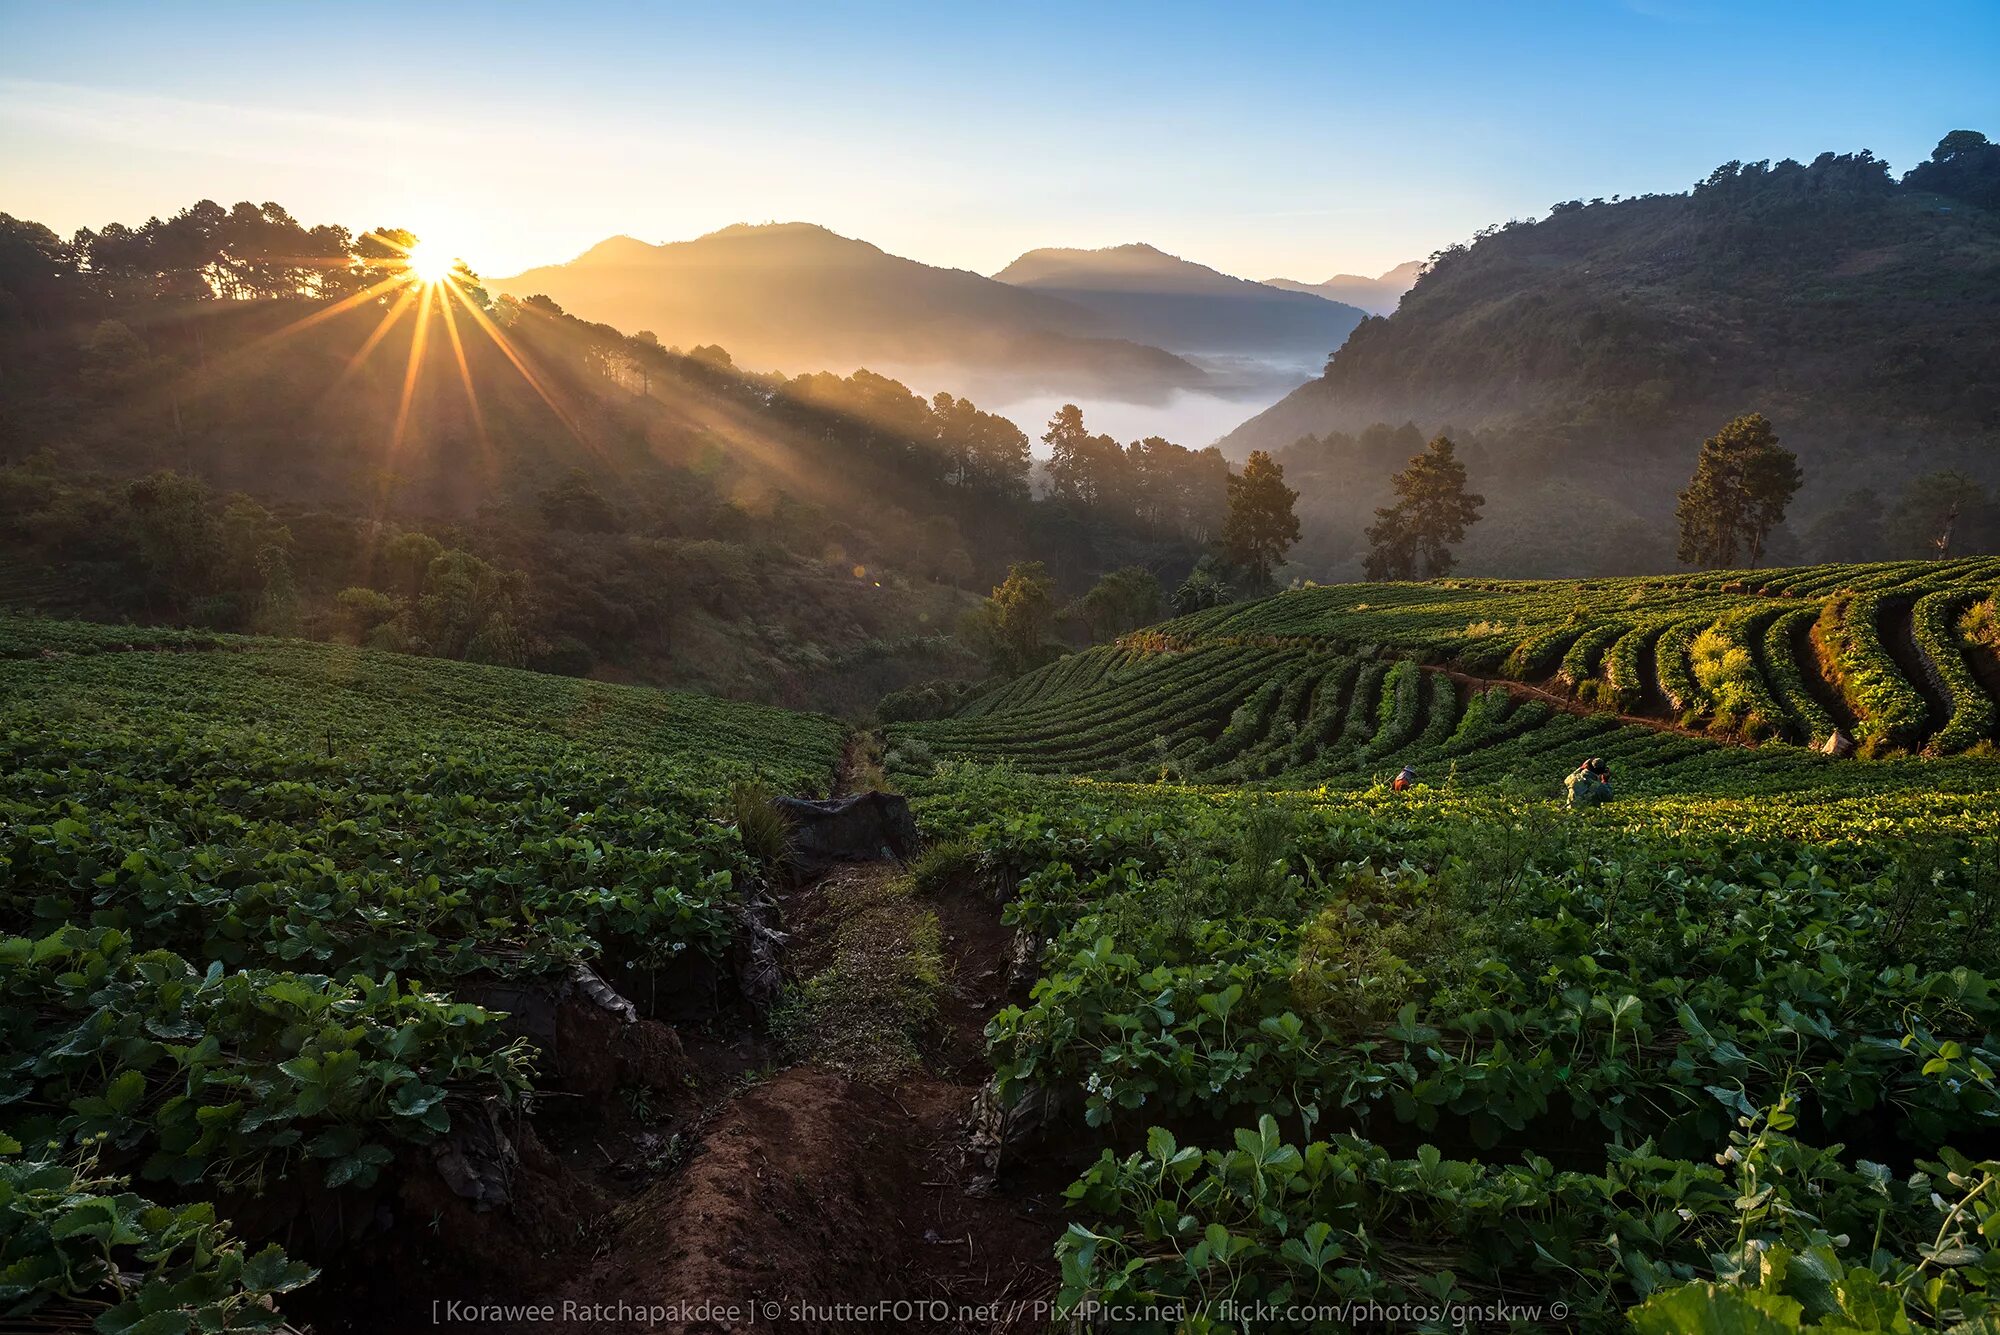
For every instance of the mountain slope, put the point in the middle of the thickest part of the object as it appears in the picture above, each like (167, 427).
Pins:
(795, 296)
(1377, 296)
(1600, 345)
(1143, 293)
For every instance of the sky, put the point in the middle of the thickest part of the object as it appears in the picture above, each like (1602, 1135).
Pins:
(1265, 140)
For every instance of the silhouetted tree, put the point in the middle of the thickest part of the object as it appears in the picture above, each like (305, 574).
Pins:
(1964, 165)
(1413, 538)
(1123, 600)
(1082, 467)
(1014, 622)
(1261, 526)
(1742, 483)
(1202, 588)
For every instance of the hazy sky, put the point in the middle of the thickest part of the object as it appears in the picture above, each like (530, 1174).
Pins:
(1294, 140)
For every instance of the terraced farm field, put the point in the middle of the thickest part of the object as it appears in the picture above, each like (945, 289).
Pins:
(1717, 1056)
(246, 889)
(1250, 1040)
(1484, 680)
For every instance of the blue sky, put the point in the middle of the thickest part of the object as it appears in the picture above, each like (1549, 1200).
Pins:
(1294, 140)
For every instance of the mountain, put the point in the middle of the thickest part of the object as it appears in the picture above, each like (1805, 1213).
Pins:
(1589, 353)
(794, 296)
(1377, 296)
(273, 459)
(1145, 294)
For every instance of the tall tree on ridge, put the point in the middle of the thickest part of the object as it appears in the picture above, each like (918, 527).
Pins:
(1742, 483)
(1261, 526)
(1413, 538)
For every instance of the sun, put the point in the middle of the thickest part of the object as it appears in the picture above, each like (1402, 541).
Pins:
(430, 262)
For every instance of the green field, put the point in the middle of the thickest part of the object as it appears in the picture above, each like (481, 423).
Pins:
(1482, 680)
(1462, 1045)
(239, 880)
(1721, 1052)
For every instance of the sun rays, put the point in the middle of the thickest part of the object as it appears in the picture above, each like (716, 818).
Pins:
(404, 275)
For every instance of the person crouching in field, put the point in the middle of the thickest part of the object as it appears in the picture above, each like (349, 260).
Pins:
(1589, 784)
(1406, 780)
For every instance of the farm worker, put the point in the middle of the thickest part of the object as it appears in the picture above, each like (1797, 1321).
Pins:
(1404, 780)
(1589, 784)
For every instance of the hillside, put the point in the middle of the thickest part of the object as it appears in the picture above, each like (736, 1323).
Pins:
(288, 453)
(1495, 679)
(1152, 297)
(1593, 350)
(477, 961)
(1376, 296)
(797, 297)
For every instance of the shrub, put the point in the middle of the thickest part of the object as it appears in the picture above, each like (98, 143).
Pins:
(1981, 625)
(1727, 673)
(760, 826)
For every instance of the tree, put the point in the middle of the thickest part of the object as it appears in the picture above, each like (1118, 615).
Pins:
(1742, 483)
(406, 560)
(1082, 467)
(1413, 538)
(1261, 526)
(575, 503)
(114, 359)
(1123, 600)
(176, 533)
(1965, 165)
(1934, 513)
(1202, 588)
(1015, 620)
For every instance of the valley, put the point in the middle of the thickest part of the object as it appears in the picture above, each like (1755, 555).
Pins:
(722, 670)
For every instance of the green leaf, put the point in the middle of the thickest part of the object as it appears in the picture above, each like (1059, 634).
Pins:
(1713, 1309)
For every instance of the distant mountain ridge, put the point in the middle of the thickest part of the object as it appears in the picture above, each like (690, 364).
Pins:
(1145, 294)
(1377, 296)
(796, 296)
(1589, 353)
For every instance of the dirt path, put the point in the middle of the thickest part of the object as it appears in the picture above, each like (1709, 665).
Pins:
(808, 1189)
(711, 1172)
(1569, 704)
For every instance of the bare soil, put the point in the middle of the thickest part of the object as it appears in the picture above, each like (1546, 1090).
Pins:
(685, 1171)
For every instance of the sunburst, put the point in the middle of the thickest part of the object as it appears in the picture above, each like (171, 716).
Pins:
(429, 277)
(430, 263)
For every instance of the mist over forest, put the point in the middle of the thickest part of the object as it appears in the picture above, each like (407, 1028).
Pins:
(955, 760)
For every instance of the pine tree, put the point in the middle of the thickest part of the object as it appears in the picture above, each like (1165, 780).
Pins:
(1413, 538)
(1261, 526)
(1742, 483)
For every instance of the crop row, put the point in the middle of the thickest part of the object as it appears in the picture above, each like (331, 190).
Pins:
(1554, 1033)
(1934, 624)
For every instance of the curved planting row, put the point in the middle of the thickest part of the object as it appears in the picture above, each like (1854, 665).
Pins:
(1672, 670)
(1890, 712)
(1723, 660)
(1779, 660)
(1586, 654)
(1934, 619)
(1625, 663)
(1539, 655)
(1399, 712)
(1259, 690)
